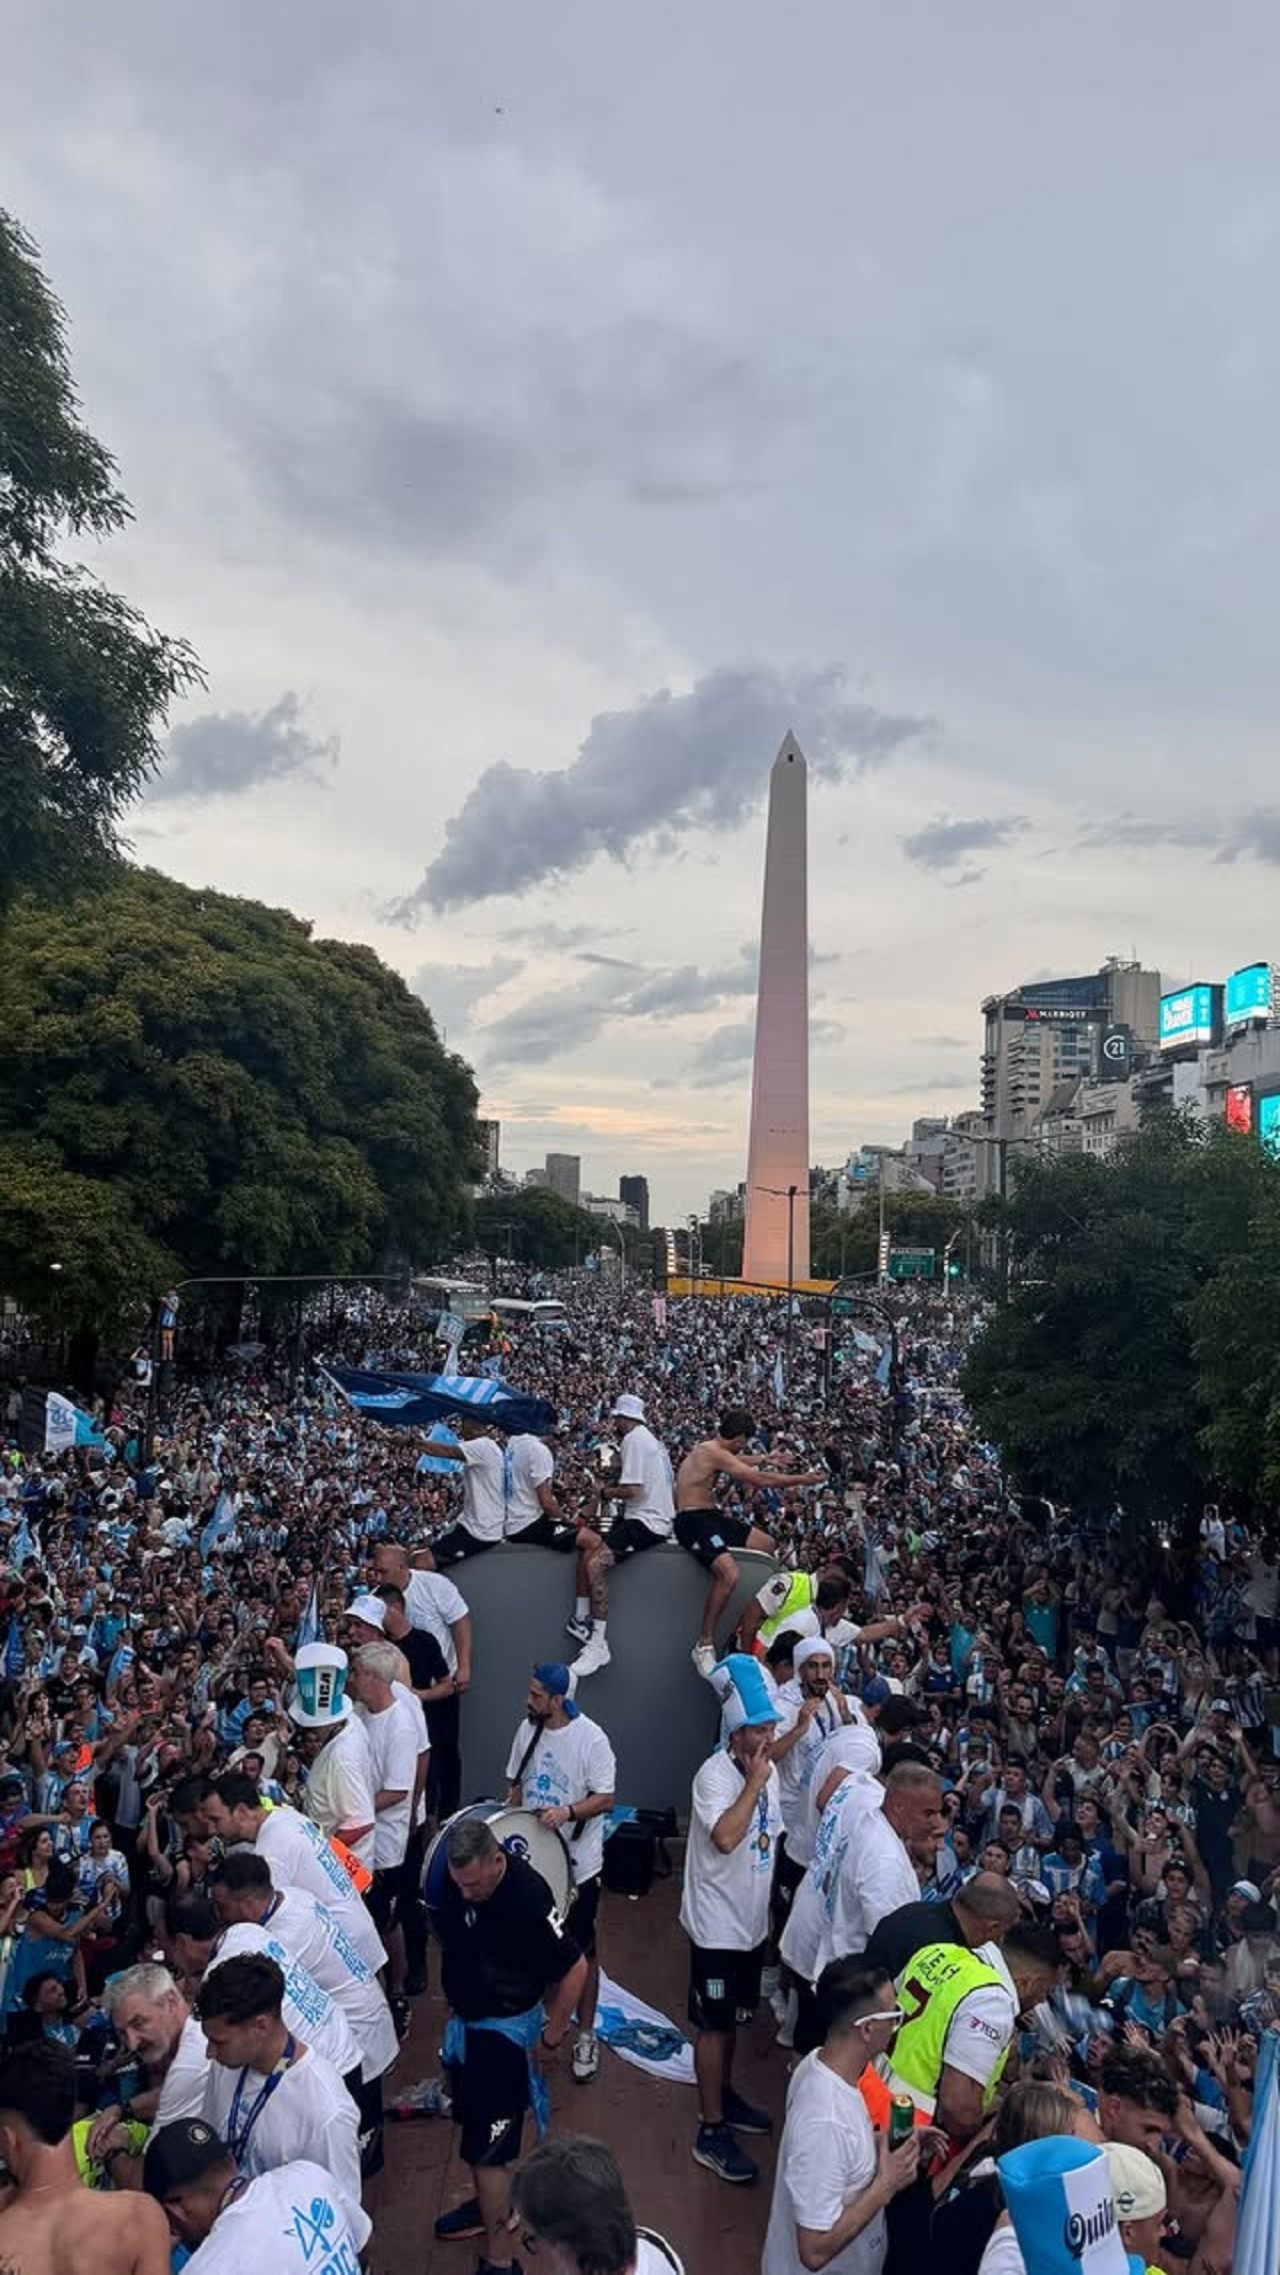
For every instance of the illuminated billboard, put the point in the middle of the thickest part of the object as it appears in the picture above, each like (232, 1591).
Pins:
(1269, 1122)
(1239, 1111)
(1250, 994)
(1187, 1017)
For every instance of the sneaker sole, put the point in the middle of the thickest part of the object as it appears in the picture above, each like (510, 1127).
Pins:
(739, 2125)
(709, 2164)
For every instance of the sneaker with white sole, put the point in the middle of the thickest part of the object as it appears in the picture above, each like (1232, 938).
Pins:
(586, 2056)
(594, 1655)
(703, 1656)
(716, 2148)
(579, 1629)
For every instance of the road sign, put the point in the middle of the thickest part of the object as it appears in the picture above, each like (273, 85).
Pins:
(912, 1263)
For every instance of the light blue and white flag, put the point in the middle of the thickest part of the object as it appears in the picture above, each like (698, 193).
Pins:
(309, 1625)
(1257, 2249)
(67, 1425)
(222, 1522)
(15, 1650)
(642, 2036)
(22, 1546)
(434, 1465)
(779, 1379)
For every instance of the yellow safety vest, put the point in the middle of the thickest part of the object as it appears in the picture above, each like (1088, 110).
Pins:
(930, 1989)
(799, 1597)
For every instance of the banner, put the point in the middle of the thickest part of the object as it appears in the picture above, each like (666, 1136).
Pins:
(67, 1425)
(417, 1400)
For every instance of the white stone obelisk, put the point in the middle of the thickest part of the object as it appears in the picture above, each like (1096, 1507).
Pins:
(776, 1238)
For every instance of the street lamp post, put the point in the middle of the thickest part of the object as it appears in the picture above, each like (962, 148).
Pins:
(787, 1193)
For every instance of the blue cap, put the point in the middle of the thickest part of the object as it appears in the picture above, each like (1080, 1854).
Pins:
(875, 1692)
(555, 1677)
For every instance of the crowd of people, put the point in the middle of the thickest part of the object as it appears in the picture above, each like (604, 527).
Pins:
(994, 1823)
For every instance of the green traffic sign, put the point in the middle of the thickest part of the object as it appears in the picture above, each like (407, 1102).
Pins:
(912, 1263)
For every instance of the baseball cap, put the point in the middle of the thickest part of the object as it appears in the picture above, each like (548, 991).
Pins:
(875, 1692)
(1137, 2183)
(1247, 1888)
(1220, 1706)
(370, 1609)
(628, 1408)
(178, 2154)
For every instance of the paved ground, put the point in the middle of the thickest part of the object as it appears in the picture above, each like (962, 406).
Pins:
(648, 2124)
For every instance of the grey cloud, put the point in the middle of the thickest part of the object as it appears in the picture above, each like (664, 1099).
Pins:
(946, 1042)
(721, 1053)
(569, 1017)
(223, 753)
(1139, 830)
(451, 992)
(942, 843)
(1257, 834)
(672, 764)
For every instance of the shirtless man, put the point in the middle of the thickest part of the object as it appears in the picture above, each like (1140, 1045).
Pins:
(50, 2223)
(707, 1534)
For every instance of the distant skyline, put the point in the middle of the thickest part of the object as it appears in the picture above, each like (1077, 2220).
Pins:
(531, 414)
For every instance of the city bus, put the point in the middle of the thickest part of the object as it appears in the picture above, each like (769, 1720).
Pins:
(545, 1315)
(466, 1299)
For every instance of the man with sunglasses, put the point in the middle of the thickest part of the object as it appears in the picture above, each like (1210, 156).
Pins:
(835, 2176)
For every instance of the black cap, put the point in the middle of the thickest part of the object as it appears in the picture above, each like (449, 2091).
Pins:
(179, 2154)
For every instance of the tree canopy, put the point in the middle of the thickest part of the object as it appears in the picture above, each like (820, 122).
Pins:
(192, 1084)
(535, 1226)
(1117, 1370)
(85, 683)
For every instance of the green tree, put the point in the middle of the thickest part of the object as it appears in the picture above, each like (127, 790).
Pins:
(536, 1227)
(1088, 1379)
(197, 1081)
(1235, 1322)
(85, 683)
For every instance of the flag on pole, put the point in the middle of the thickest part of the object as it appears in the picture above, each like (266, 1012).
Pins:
(15, 1653)
(413, 1399)
(222, 1522)
(309, 1625)
(1257, 2249)
(779, 1380)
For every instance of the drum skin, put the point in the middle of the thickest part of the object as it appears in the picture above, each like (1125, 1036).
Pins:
(522, 1834)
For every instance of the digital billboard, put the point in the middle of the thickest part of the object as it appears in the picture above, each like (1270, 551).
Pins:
(1249, 994)
(1239, 1113)
(1269, 1122)
(1186, 1017)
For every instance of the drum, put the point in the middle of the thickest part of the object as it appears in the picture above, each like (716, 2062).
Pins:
(521, 1834)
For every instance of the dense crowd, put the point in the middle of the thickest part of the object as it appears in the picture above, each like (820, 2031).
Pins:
(1054, 1730)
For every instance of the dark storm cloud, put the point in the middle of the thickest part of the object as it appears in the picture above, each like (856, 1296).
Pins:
(672, 764)
(941, 844)
(226, 752)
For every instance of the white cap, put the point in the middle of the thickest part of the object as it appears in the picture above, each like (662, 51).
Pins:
(370, 1609)
(629, 1408)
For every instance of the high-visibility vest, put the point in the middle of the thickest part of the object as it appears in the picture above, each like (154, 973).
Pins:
(799, 1597)
(930, 1989)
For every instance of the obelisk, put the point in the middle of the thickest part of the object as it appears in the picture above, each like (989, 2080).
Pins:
(776, 1237)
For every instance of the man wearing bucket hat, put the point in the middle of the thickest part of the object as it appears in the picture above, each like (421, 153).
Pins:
(341, 1779)
(645, 1482)
(734, 1825)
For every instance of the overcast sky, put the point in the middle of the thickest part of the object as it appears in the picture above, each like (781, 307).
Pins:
(532, 409)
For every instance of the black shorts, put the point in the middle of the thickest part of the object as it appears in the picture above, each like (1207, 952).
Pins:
(787, 1876)
(706, 1534)
(583, 1911)
(490, 2096)
(724, 1987)
(450, 1547)
(382, 1898)
(544, 1532)
(627, 1536)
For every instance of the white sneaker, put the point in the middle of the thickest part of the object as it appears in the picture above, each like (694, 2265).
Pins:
(703, 1656)
(586, 2056)
(594, 1655)
(579, 1629)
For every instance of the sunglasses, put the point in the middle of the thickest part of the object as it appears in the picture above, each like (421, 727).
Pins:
(890, 2014)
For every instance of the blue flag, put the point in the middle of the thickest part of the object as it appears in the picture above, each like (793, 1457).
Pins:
(15, 1652)
(433, 1465)
(414, 1399)
(1257, 2249)
(22, 1545)
(220, 1524)
(309, 1625)
(886, 1363)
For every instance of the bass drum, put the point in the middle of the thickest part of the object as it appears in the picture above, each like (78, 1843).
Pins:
(521, 1834)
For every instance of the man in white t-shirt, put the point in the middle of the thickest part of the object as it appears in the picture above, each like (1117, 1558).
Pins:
(482, 1519)
(340, 1785)
(734, 1825)
(243, 1891)
(434, 1607)
(834, 2177)
(646, 1482)
(153, 2019)
(562, 1766)
(875, 1844)
(397, 1734)
(270, 2096)
(298, 1854)
(293, 2220)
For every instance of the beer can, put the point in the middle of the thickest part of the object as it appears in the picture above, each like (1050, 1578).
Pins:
(902, 2118)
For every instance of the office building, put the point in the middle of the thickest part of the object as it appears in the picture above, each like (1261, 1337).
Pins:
(635, 1192)
(564, 1176)
(1050, 1032)
(490, 1133)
